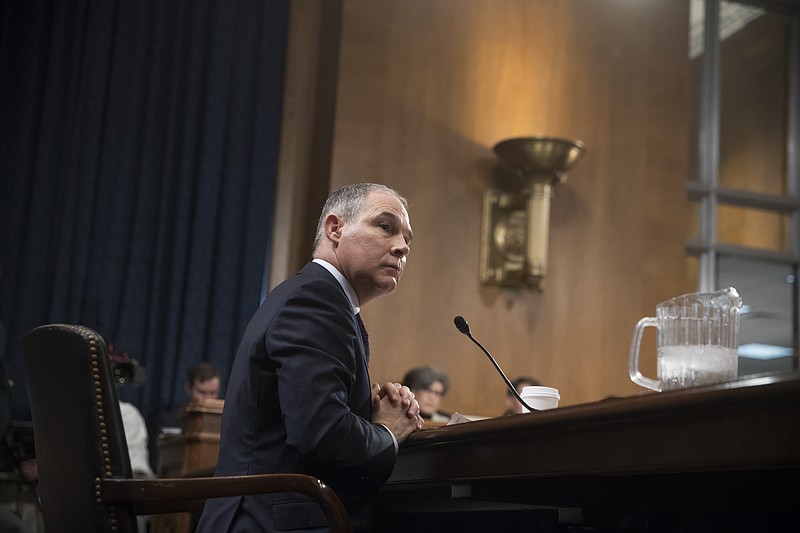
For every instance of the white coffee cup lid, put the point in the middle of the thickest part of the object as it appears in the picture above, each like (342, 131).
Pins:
(540, 391)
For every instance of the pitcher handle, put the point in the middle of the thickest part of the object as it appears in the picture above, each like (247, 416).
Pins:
(633, 363)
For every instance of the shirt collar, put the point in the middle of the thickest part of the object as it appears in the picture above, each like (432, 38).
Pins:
(348, 290)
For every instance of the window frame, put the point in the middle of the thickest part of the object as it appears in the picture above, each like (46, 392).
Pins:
(705, 189)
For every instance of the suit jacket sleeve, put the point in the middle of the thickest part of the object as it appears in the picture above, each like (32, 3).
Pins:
(324, 386)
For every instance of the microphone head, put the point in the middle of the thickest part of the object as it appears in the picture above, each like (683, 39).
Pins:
(461, 324)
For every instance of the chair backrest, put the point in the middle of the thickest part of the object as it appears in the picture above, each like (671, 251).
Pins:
(78, 431)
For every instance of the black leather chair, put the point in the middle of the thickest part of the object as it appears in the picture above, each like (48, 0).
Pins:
(85, 479)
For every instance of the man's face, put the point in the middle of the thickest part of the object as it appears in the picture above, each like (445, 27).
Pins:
(372, 250)
(203, 390)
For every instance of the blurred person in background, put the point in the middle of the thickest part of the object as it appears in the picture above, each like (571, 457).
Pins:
(429, 385)
(513, 407)
(202, 382)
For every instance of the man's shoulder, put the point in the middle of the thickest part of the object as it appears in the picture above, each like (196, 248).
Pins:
(313, 278)
(309, 292)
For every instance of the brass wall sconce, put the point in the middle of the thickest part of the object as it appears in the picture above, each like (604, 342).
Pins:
(516, 224)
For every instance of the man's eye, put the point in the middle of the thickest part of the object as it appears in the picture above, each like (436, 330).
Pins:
(385, 226)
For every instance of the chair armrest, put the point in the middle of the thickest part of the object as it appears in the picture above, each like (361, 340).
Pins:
(155, 496)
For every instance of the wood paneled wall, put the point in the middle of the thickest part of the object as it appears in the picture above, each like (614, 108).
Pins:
(424, 89)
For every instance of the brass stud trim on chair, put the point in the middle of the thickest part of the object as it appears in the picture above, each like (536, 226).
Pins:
(91, 340)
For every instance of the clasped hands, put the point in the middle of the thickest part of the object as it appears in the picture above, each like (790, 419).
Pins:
(394, 406)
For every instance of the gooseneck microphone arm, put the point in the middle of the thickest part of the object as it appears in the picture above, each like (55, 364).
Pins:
(463, 327)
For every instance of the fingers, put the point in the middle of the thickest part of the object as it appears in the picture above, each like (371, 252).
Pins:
(406, 396)
(375, 392)
(392, 390)
(398, 394)
(400, 420)
(401, 397)
(413, 409)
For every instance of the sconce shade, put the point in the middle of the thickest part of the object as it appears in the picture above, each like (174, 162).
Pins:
(539, 155)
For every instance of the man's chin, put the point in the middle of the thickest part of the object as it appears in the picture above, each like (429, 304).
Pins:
(389, 286)
(380, 286)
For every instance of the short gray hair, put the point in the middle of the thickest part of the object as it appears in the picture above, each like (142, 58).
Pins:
(347, 203)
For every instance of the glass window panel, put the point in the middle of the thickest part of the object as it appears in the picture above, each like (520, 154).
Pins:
(694, 219)
(754, 51)
(752, 228)
(767, 291)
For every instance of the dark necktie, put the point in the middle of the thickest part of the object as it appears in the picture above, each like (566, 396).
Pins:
(364, 334)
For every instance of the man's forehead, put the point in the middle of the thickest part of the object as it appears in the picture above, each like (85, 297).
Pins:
(383, 198)
(211, 382)
(381, 203)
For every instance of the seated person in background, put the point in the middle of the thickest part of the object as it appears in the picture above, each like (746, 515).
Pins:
(202, 382)
(429, 385)
(136, 435)
(128, 373)
(513, 406)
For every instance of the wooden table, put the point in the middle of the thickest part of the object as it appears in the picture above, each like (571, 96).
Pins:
(717, 457)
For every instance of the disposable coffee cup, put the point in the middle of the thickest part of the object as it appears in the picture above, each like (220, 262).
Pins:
(540, 398)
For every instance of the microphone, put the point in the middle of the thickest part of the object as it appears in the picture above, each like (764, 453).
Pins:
(463, 327)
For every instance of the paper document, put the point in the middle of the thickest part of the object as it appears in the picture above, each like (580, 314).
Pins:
(458, 418)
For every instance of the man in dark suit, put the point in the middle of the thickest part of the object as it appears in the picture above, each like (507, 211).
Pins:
(299, 398)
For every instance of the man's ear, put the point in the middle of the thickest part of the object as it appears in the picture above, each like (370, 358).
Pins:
(333, 227)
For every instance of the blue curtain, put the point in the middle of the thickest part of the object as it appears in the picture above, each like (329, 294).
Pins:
(138, 155)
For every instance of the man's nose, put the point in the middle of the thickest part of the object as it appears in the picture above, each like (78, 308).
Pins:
(401, 249)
